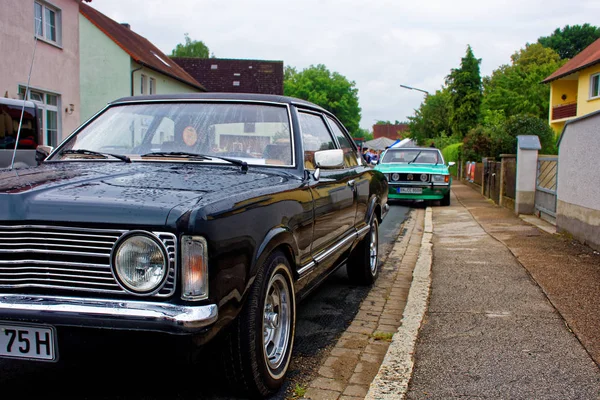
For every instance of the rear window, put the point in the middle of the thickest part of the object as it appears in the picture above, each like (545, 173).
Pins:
(9, 126)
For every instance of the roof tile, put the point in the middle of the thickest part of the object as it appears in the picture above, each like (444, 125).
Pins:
(586, 58)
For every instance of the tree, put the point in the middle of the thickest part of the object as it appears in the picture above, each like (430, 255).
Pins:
(464, 85)
(515, 89)
(191, 48)
(364, 134)
(332, 91)
(570, 40)
(432, 119)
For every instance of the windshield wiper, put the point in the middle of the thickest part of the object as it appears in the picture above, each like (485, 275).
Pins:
(96, 153)
(176, 154)
(414, 159)
(197, 156)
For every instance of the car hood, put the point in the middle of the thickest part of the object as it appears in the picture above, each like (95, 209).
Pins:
(114, 193)
(412, 168)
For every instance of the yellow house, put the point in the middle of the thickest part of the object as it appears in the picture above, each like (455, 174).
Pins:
(575, 87)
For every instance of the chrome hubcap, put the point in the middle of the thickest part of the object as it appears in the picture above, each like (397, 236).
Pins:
(373, 249)
(276, 321)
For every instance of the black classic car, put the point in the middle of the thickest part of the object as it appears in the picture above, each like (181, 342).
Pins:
(205, 216)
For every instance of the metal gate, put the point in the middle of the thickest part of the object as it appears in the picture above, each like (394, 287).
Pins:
(545, 187)
(492, 182)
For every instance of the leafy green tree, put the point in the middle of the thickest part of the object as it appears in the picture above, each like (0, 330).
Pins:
(432, 119)
(464, 85)
(529, 125)
(332, 91)
(501, 138)
(515, 89)
(570, 40)
(191, 48)
(363, 133)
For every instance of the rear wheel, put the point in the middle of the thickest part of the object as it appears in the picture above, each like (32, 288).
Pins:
(363, 263)
(258, 348)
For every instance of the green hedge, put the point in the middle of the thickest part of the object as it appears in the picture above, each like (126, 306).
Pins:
(453, 153)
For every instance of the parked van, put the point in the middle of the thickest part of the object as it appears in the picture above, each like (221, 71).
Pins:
(31, 132)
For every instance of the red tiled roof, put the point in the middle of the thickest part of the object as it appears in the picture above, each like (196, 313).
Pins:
(139, 48)
(235, 75)
(586, 58)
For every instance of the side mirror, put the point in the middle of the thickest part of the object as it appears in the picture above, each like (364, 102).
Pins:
(42, 152)
(329, 159)
(451, 163)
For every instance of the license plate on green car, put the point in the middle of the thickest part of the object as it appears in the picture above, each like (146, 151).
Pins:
(409, 190)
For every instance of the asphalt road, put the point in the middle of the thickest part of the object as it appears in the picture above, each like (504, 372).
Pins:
(123, 368)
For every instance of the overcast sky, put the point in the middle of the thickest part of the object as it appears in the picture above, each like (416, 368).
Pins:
(379, 44)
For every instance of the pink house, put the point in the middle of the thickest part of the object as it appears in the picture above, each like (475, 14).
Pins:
(54, 81)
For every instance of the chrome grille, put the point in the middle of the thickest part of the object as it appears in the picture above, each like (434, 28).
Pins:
(67, 258)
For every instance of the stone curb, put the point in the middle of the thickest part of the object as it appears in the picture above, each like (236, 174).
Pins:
(391, 381)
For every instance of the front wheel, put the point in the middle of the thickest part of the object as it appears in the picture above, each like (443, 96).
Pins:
(259, 346)
(446, 200)
(363, 263)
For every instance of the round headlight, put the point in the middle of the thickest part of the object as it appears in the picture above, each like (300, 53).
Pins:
(395, 177)
(140, 264)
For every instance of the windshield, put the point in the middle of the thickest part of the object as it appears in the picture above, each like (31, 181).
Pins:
(416, 156)
(257, 134)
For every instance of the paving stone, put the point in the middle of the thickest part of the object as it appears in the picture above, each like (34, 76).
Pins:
(320, 394)
(356, 342)
(328, 384)
(328, 372)
(359, 391)
(346, 353)
(377, 347)
(363, 378)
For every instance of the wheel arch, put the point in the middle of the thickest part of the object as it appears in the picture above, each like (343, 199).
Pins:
(279, 238)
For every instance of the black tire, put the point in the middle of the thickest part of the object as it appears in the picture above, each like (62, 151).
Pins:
(363, 263)
(446, 200)
(265, 327)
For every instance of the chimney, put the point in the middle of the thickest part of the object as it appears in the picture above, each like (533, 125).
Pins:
(126, 25)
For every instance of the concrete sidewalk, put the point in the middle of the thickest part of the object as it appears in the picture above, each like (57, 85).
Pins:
(513, 312)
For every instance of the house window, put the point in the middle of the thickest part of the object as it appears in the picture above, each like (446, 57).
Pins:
(236, 83)
(594, 86)
(214, 66)
(152, 86)
(48, 104)
(47, 23)
(143, 81)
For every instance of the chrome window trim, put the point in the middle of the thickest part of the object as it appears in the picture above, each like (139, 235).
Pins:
(129, 102)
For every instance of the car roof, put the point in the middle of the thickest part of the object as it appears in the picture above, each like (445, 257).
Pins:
(16, 102)
(270, 98)
(413, 148)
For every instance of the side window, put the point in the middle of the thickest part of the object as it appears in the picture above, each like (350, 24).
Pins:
(350, 156)
(315, 137)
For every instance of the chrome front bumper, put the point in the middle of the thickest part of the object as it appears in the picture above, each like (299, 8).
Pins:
(107, 314)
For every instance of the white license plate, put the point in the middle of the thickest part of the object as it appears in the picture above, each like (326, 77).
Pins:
(409, 190)
(32, 342)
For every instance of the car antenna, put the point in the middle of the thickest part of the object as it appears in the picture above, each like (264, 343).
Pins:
(12, 163)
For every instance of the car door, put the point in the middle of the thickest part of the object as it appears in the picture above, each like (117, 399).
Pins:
(333, 195)
(356, 170)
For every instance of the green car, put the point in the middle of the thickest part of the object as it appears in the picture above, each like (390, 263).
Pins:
(416, 174)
